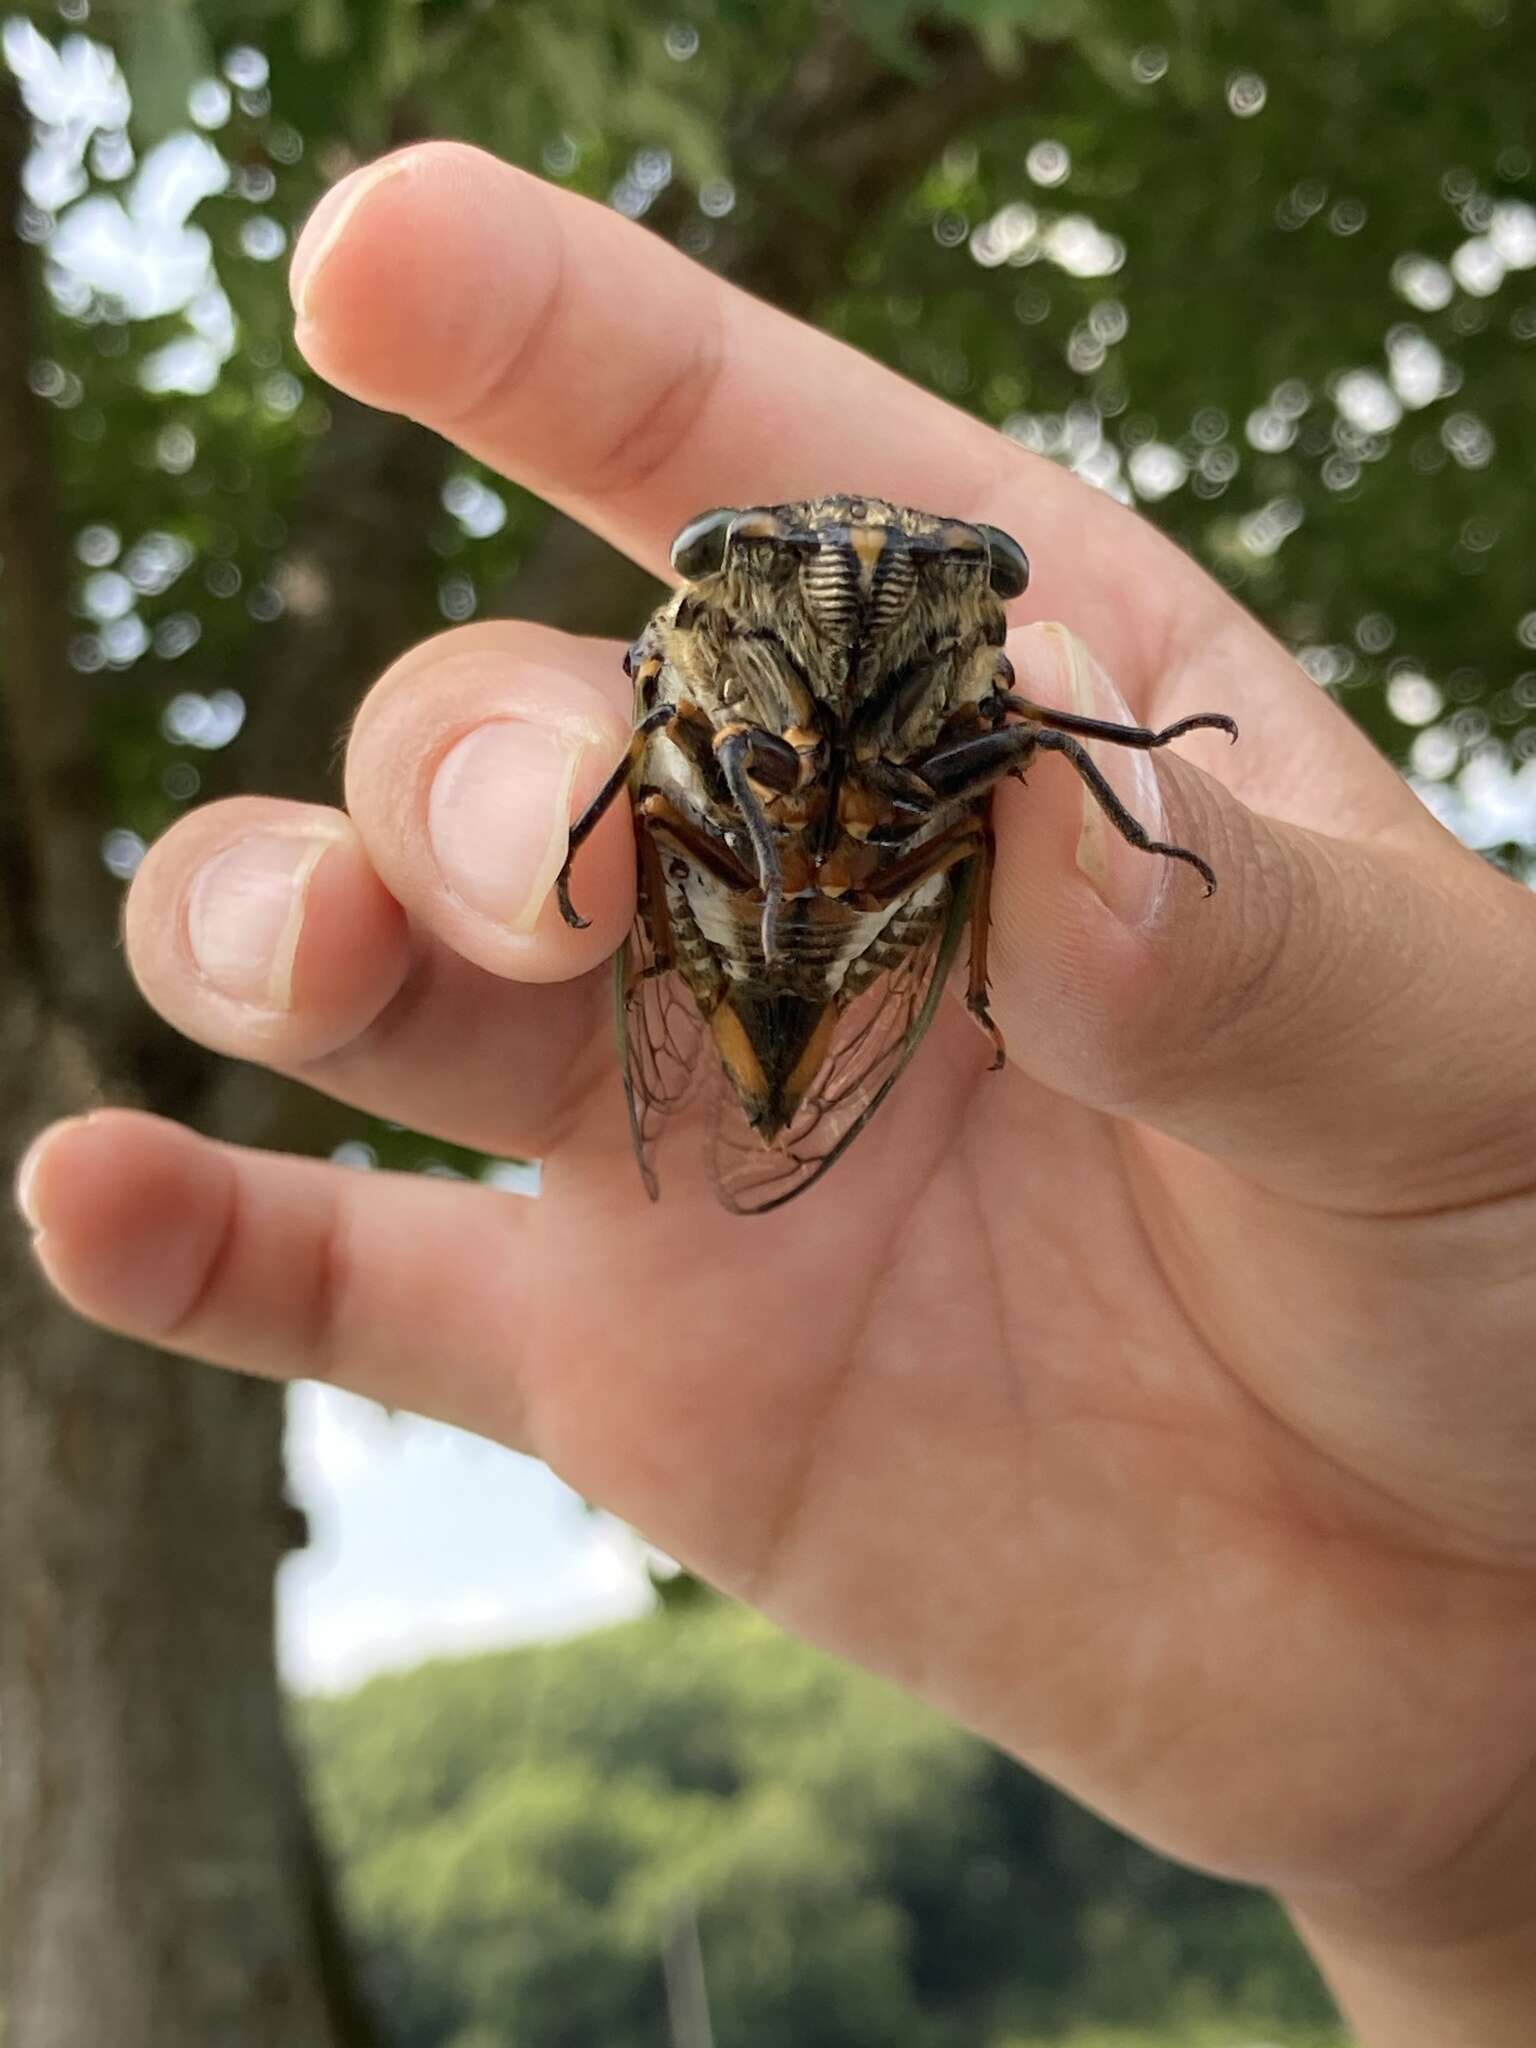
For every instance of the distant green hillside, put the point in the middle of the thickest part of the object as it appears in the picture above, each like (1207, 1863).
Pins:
(518, 1833)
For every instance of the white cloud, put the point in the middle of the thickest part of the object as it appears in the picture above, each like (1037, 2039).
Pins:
(426, 1541)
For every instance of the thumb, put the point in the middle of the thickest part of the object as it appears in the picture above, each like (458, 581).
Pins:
(1344, 1019)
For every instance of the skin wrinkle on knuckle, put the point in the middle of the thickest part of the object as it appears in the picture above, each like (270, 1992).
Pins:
(772, 1562)
(663, 425)
(363, 1066)
(323, 1315)
(566, 1108)
(183, 1325)
(380, 1036)
(1005, 1346)
(498, 384)
(667, 424)
(531, 1343)
(1446, 1877)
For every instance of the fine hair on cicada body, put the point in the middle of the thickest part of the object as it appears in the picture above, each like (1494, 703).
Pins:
(822, 711)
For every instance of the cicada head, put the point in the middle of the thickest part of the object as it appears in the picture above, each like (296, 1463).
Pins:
(852, 586)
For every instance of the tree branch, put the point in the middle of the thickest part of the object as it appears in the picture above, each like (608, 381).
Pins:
(845, 138)
(850, 134)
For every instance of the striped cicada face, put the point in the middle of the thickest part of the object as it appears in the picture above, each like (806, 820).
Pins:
(851, 590)
(821, 713)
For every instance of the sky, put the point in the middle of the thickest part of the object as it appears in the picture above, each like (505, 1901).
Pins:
(425, 1541)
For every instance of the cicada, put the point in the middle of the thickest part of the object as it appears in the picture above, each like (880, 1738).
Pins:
(822, 712)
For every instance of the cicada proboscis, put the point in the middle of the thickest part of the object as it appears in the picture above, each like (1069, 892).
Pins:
(821, 714)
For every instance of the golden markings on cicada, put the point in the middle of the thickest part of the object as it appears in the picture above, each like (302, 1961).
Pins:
(822, 712)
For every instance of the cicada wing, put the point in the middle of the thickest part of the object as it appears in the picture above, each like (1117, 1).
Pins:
(871, 1044)
(659, 1028)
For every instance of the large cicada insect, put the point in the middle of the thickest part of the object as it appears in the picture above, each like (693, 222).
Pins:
(821, 713)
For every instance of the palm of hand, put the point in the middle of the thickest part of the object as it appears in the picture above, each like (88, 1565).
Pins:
(1045, 1395)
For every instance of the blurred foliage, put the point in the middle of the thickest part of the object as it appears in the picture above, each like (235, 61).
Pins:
(1183, 2036)
(1269, 273)
(517, 1833)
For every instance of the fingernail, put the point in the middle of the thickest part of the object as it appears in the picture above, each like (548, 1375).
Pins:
(26, 1173)
(1127, 880)
(499, 817)
(26, 1179)
(329, 222)
(245, 914)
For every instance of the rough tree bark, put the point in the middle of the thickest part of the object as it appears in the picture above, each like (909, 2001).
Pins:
(159, 1885)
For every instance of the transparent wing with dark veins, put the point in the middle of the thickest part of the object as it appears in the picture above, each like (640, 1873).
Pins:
(875, 1037)
(660, 1036)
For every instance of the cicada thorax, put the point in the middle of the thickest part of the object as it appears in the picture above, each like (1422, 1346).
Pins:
(772, 1016)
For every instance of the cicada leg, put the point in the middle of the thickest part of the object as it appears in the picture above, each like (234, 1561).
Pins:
(585, 825)
(905, 789)
(981, 929)
(747, 755)
(694, 842)
(1106, 729)
(962, 842)
(737, 753)
(656, 917)
(972, 841)
(975, 765)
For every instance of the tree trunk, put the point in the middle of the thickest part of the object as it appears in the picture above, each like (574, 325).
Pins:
(159, 1881)
(155, 1886)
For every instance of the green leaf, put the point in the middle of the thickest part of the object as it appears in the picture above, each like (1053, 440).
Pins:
(322, 28)
(885, 25)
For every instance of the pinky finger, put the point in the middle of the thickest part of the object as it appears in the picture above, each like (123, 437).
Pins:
(397, 1287)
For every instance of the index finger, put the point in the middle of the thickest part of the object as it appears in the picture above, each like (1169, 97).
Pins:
(596, 364)
(593, 362)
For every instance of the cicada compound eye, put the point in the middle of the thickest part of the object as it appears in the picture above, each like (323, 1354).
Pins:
(1008, 570)
(699, 549)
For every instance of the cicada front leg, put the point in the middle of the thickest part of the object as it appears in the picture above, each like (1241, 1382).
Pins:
(587, 823)
(748, 756)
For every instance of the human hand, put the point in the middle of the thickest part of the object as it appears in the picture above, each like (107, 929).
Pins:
(1161, 1407)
